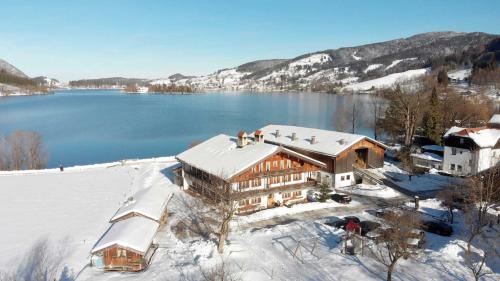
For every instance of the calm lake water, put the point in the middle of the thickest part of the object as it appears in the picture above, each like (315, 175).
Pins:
(94, 126)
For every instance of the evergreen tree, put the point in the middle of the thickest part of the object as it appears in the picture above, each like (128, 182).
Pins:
(324, 191)
(432, 121)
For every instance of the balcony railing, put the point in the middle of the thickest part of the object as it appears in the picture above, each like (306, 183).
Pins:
(288, 187)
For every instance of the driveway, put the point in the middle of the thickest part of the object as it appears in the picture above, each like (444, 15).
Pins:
(366, 203)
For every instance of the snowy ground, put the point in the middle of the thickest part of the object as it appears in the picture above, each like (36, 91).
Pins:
(78, 203)
(380, 191)
(418, 183)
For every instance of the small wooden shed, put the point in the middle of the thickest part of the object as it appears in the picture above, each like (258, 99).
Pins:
(126, 246)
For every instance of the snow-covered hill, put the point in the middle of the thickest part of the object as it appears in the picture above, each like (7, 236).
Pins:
(352, 68)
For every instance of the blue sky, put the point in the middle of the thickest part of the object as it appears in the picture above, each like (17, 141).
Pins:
(86, 39)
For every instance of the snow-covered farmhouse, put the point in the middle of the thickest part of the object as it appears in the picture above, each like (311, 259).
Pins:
(128, 245)
(341, 152)
(468, 151)
(261, 175)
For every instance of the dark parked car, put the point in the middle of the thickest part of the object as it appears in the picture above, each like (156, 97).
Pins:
(341, 198)
(367, 226)
(437, 227)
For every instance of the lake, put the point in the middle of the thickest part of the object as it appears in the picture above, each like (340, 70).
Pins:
(94, 126)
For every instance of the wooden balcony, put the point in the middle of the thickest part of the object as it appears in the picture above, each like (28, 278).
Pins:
(280, 188)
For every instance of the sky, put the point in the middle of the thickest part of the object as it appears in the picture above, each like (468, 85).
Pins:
(71, 40)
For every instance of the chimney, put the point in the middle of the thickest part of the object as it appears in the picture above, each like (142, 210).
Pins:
(313, 140)
(294, 136)
(259, 136)
(277, 134)
(242, 139)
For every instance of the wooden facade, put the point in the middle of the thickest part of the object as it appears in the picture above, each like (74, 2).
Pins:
(117, 258)
(365, 154)
(278, 173)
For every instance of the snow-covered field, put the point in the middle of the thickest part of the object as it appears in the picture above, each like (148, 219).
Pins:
(77, 204)
(387, 81)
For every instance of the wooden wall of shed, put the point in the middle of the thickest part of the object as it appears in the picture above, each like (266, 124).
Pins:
(328, 160)
(345, 160)
(131, 262)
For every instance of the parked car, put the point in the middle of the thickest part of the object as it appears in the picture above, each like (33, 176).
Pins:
(437, 227)
(367, 226)
(341, 198)
(341, 223)
(386, 211)
(313, 196)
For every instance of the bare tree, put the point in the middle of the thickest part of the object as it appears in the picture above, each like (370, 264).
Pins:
(226, 207)
(17, 153)
(22, 150)
(394, 243)
(36, 154)
(377, 110)
(41, 263)
(404, 113)
(346, 117)
(222, 271)
(483, 193)
(476, 262)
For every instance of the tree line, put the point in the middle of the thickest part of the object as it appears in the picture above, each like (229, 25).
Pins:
(172, 88)
(21, 150)
(28, 83)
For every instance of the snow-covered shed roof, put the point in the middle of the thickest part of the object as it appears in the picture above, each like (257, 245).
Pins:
(433, 147)
(135, 233)
(460, 74)
(149, 202)
(221, 157)
(327, 142)
(495, 119)
(428, 156)
(483, 136)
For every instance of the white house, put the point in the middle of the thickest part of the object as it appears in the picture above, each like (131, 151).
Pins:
(468, 151)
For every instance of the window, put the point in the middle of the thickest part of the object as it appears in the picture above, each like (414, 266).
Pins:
(459, 168)
(275, 163)
(297, 177)
(297, 193)
(282, 164)
(261, 167)
(348, 177)
(256, 200)
(288, 163)
(470, 162)
(286, 195)
(453, 151)
(461, 141)
(121, 253)
(268, 166)
(342, 178)
(452, 167)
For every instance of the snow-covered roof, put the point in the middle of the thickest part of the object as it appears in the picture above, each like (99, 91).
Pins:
(135, 233)
(495, 119)
(149, 202)
(483, 137)
(460, 74)
(327, 142)
(220, 155)
(428, 156)
(433, 147)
